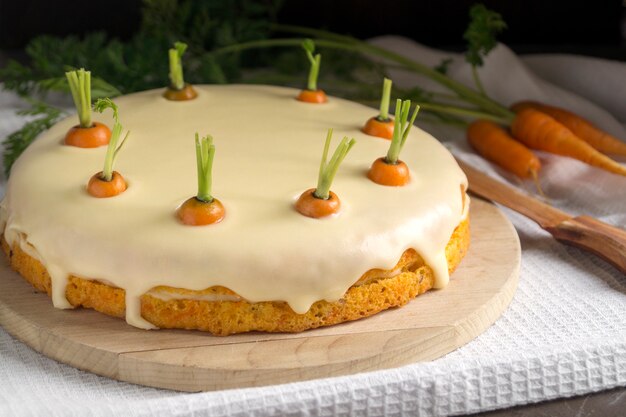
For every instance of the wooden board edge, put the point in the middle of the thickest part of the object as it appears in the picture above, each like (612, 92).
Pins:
(61, 349)
(188, 370)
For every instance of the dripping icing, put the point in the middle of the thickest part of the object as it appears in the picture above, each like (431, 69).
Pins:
(264, 250)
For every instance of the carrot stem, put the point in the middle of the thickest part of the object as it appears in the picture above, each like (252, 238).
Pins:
(80, 86)
(205, 152)
(384, 101)
(309, 48)
(329, 169)
(402, 127)
(464, 111)
(479, 84)
(488, 109)
(334, 40)
(113, 148)
(461, 90)
(177, 81)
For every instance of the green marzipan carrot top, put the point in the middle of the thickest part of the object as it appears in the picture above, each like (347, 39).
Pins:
(402, 127)
(205, 152)
(383, 116)
(176, 53)
(309, 47)
(80, 87)
(328, 169)
(113, 148)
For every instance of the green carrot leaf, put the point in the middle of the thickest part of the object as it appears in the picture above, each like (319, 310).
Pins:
(308, 45)
(106, 103)
(180, 48)
(481, 33)
(444, 65)
(19, 140)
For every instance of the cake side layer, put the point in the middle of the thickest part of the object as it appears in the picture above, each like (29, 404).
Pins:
(375, 291)
(268, 147)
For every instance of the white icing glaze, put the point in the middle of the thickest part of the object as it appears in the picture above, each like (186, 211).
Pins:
(268, 147)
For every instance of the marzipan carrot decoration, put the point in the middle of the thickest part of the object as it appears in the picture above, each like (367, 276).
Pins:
(582, 128)
(381, 125)
(203, 208)
(109, 183)
(87, 134)
(321, 202)
(390, 170)
(178, 90)
(312, 94)
(539, 131)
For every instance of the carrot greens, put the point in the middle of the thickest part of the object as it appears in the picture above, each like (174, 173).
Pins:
(328, 169)
(205, 152)
(325, 39)
(114, 146)
(19, 140)
(214, 56)
(309, 48)
(80, 87)
(480, 35)
(384, 101)
(176, 53)
(401, 129)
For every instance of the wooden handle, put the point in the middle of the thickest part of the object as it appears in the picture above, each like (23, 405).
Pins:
(590, 234)
(485, 186)
(608, 242)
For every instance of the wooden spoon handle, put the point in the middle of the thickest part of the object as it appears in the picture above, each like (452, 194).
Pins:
(606, 241)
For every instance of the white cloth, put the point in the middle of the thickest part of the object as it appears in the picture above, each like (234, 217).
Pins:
(564, 333)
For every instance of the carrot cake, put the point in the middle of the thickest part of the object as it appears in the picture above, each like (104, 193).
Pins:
(264, 267)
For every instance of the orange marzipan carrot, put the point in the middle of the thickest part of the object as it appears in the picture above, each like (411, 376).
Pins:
(581, 127)
(313, 96)
(186, 93)
(195, 212)
(498, 146)
(101, 188)
(381, 128)
(539, 131)
(391, 175)
(311, 206)
(97, 135)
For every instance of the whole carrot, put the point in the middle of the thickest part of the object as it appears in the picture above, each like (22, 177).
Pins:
(539, 131)
(581, 127)
(498, 146)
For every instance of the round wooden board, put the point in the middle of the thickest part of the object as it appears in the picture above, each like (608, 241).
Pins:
(428, 327)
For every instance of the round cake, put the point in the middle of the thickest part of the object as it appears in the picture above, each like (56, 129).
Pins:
(264, 267)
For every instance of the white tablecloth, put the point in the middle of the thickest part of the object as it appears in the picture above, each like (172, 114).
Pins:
(564, 333)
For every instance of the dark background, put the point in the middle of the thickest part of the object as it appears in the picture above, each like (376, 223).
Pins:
(579, 26)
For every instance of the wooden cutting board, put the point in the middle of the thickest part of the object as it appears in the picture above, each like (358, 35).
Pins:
(428, 327)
